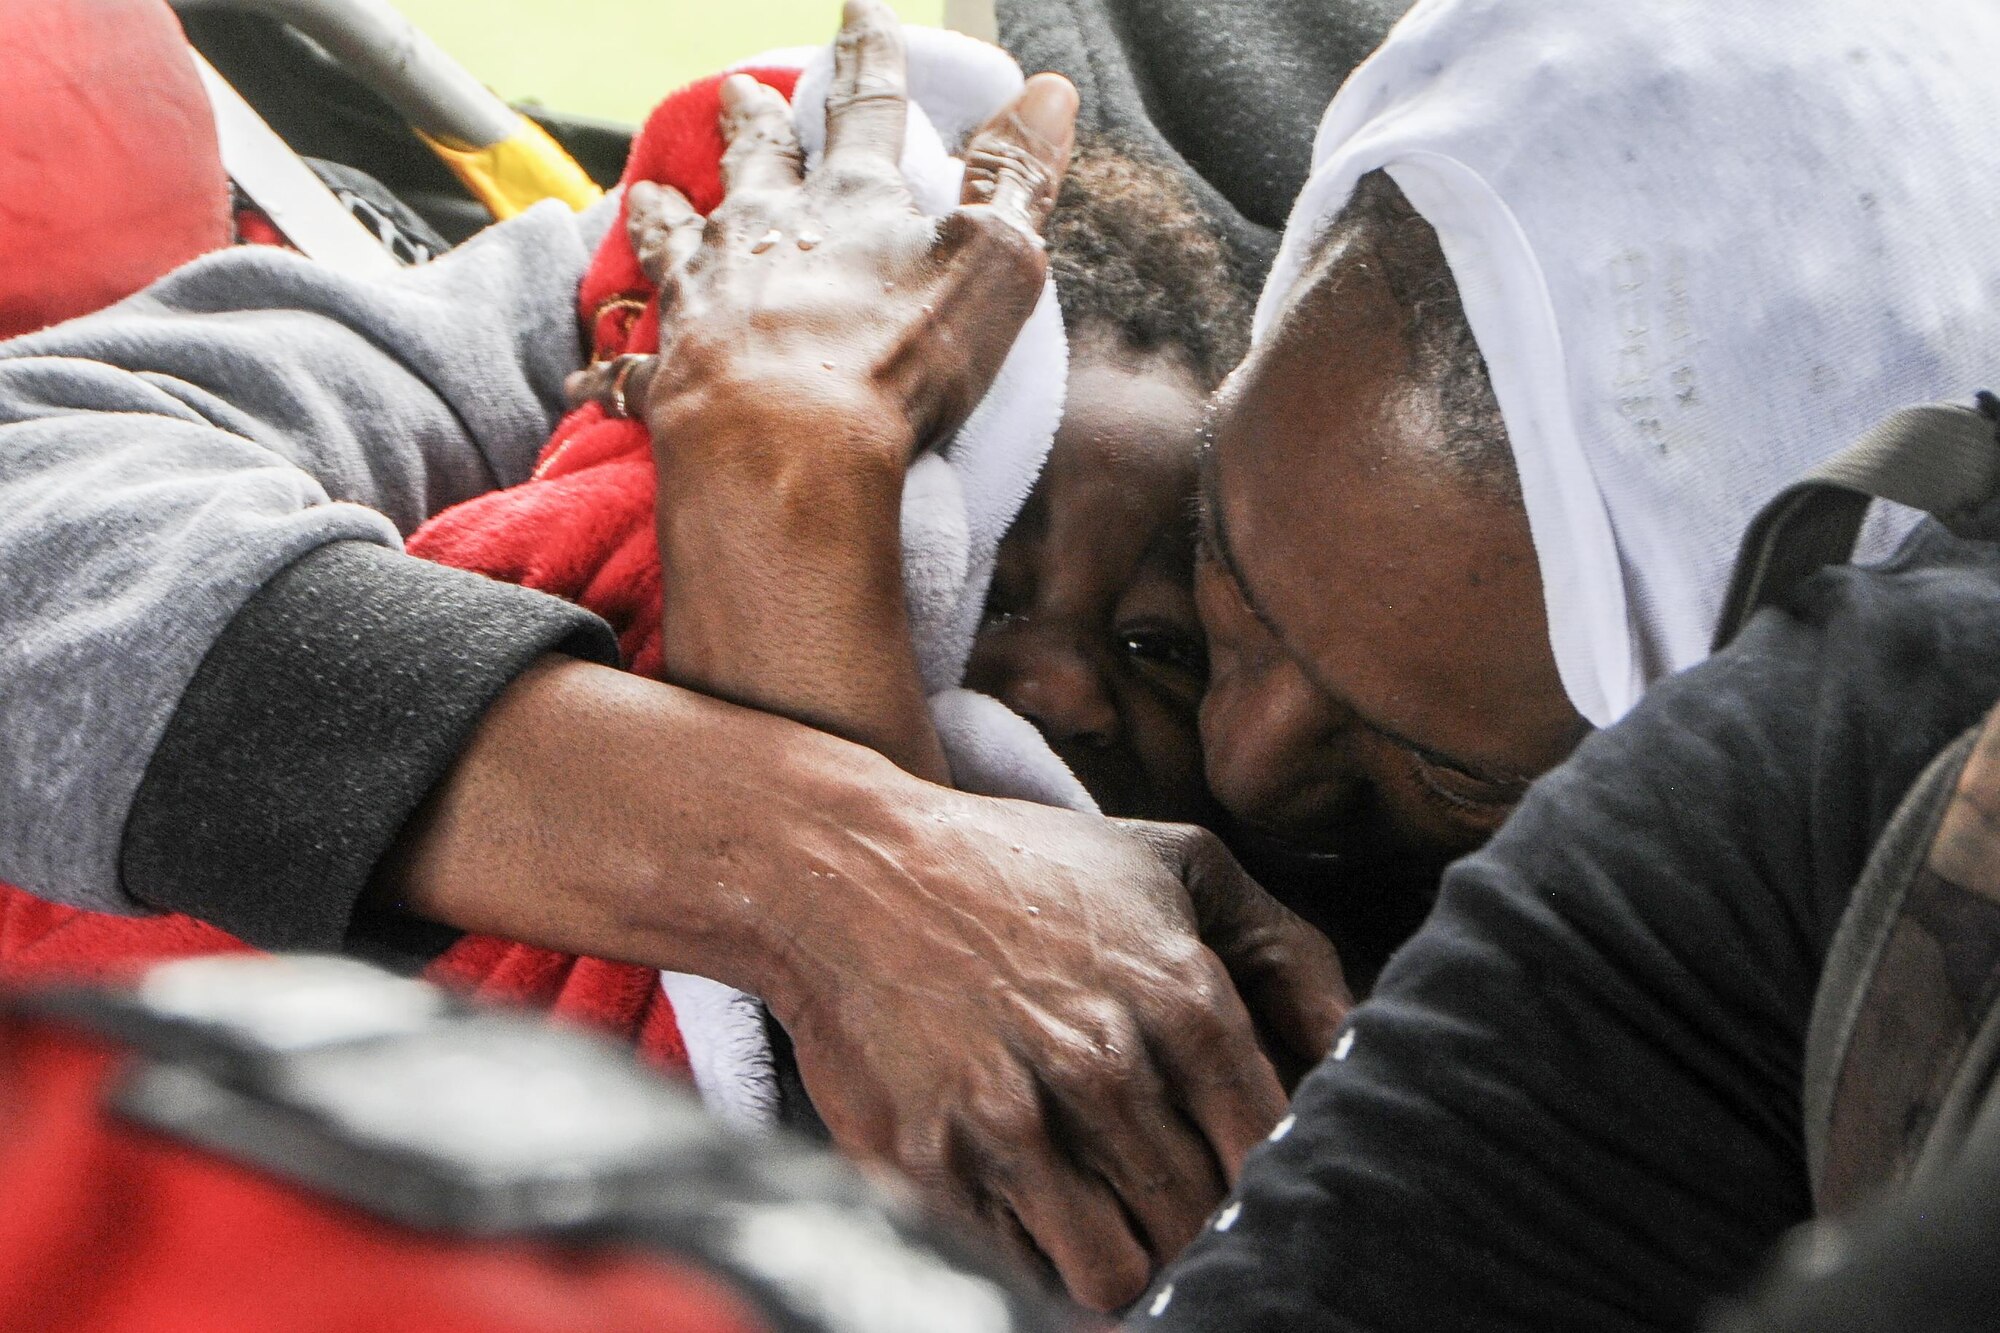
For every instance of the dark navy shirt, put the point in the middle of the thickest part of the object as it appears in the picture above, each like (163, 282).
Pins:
(1573, 1101)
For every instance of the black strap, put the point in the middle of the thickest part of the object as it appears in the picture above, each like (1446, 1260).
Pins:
(1942, 459)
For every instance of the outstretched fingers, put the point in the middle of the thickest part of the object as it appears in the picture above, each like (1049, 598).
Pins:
(665, 233)
(992, 243)
(868, 105)
(762, 151)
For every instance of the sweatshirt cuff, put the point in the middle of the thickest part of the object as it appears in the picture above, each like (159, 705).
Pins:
(319, 721)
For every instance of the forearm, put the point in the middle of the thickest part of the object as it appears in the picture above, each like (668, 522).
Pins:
(878, 332)
(601, 814)
(784, 589)
(316, 725)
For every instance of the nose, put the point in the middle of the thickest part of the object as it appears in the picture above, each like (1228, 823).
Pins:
(1271, 743)
(1051, 682)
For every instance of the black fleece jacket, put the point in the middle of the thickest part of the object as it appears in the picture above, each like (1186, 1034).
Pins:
(1232, 90)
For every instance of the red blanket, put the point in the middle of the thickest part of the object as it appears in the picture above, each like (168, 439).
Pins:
(582, 529)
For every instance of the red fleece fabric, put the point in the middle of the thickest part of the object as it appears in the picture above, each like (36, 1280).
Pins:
(114, 1229)
(582, 529)
(109, 169)
(44, 942)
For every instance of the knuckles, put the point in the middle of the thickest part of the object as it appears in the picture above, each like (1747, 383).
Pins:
(1103, 1074)
(923, 1153)
(1005, 1120)
(984, 237)
(996, 155)
(1192, 1006)
(1200, 1006)
(1178, 846)
(1203, 852)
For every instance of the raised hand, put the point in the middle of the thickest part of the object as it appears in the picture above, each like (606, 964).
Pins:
(829, 292)
(818, 331)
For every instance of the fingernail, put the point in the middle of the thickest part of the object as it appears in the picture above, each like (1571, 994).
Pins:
(734, 89)
(1048, 106)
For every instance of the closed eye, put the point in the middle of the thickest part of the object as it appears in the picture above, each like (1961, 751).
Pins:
(1463, 792)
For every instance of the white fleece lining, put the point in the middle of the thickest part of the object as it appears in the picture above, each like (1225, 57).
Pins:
(1507, 306)
(728, 1048)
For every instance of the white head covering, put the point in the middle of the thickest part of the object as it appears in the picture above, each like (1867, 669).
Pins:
(1701, 246)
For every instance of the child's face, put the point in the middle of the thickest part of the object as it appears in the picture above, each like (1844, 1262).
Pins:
(1091, 631)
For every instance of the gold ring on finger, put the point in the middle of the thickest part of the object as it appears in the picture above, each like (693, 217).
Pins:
(621, 371)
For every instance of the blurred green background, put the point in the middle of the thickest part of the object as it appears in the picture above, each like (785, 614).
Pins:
(616, 58)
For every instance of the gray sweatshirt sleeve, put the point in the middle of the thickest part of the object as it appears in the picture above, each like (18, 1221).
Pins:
(223, 688)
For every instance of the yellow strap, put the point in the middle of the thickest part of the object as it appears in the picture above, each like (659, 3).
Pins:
(521, 170)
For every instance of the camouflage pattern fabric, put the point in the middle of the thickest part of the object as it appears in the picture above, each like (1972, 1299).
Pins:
(1905, 1037)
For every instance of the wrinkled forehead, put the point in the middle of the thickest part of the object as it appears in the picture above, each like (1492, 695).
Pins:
(1319, 479)
(1307, 401)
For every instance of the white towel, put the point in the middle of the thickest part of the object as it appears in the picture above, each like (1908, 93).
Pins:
(1702, 245)
(994, 751)
(957, 504)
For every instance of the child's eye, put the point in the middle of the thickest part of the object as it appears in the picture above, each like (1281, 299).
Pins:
(999, 617)
(1004, 605)
(1156, 648)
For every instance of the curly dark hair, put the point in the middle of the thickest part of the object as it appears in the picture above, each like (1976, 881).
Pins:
(1132, 251)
